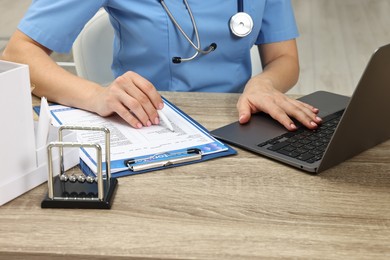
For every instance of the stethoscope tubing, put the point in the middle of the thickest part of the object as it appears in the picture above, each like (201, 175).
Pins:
(197, 47)
(241, 25)
(240, 6)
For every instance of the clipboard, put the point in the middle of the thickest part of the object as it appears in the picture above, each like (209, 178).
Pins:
(166, 159)
(163, 160)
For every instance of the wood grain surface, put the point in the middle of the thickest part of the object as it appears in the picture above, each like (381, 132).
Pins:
(238, 207)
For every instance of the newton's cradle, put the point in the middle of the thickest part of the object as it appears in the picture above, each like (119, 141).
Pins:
(80, 190)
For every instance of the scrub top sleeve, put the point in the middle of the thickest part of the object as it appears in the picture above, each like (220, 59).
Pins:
(278, 22)
(56, 24)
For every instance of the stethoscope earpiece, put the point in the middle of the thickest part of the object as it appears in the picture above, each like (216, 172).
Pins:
(241, 24)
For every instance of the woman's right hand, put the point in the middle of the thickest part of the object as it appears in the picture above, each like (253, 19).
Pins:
(133, 98)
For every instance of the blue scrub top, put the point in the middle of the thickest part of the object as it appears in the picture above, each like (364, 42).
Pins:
(146, 39)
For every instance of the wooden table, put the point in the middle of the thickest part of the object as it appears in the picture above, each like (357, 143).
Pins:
(238, 207)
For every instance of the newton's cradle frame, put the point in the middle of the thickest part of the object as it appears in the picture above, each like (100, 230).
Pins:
(80, 191)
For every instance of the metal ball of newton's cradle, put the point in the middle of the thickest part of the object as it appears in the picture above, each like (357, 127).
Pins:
(72, 178)
(81, 178)
(63, 177)
(90, 179)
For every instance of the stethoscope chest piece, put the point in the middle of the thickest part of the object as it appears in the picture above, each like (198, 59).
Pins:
(241, 24)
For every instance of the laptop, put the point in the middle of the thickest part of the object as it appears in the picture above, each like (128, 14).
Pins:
(350, 125)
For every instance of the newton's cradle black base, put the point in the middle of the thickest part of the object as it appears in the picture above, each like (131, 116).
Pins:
(80, 195)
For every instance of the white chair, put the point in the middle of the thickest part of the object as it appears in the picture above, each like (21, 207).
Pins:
(92, 50)
(255, 59)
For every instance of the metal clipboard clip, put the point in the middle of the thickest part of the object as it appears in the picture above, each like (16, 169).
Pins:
(163, 160)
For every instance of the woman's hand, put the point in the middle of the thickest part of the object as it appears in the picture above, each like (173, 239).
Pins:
(260, 96)
(264, 92)
(133, 98)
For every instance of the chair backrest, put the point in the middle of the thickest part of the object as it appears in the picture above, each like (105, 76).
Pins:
(93, 50)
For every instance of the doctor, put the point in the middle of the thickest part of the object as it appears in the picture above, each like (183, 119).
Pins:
(168, 45)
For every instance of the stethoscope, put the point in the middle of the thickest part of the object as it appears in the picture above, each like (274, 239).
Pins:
(241, 25)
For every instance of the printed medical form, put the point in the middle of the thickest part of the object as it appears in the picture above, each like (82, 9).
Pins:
(128, 142)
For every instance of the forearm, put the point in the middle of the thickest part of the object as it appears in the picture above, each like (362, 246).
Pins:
(282, 73)
(130, 95)
(280, 65)
(49, 79)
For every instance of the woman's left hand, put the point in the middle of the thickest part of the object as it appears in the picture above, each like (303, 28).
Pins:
(260, 96)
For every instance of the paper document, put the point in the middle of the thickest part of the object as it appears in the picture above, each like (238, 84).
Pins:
(128, 142)
(43, 124)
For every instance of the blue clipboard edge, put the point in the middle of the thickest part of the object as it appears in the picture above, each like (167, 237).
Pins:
(230, 151)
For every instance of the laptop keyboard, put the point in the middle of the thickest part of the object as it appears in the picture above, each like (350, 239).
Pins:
(305, 144)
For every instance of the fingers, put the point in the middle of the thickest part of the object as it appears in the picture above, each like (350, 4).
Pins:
(280, 115)
(244, 111)
(142, 99)
(304, 113)
(134, 99)
(129, 117)
(280, 108)
(313, 109)
(144, 92)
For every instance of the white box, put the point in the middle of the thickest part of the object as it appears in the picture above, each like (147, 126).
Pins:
(17, 146)
(23, 165)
